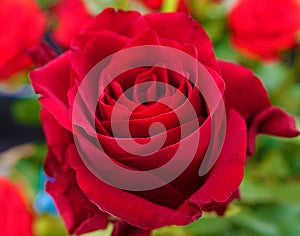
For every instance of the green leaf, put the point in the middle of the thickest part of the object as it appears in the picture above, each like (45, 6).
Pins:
(256, 224)
(106, 232)
(29, 166)
(47, 225)
(171, 230)
(272, 75)
(27, 111)
(285, 216)
(170, 5)
(207, 226)
(224, 51)
(260, 192)
(47, 3)
(96, 6)
(274, 165)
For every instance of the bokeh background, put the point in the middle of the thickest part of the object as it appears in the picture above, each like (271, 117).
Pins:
(270, 191)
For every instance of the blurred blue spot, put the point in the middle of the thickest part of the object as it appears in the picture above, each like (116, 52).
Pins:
(50, 179)
(24, 91)
(43, 201)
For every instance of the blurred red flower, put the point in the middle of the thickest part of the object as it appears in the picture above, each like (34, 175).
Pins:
(70, 15)
(263, 28)
(22, 26)
(15, 217)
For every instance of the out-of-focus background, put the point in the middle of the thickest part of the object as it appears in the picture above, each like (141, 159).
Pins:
(270, 192)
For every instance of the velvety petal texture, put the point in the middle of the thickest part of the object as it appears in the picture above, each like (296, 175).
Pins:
(86, 200)
(80, 215)
(247, 95)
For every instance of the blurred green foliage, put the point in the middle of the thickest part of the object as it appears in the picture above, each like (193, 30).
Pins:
(27, 111)
(28, 168)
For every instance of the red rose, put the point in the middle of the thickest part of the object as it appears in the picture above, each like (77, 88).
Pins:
(70, 16)
(84, 200)
(264, 28)
(15, 217)
(22, 26)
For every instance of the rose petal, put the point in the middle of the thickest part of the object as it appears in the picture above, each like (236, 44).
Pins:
(171, 26)
(227, 174)
(244, 92)
(125, 23)
(272, 121)
(52, 82)
(79, 214)
(83, 59)
(220, 207)
(130, 207)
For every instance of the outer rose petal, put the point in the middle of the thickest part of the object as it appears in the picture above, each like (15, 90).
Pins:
(227, 174)
(15, 210)
(246, 94)
(121, 228)
(272, 121)
(220, 207)
(22, 25)
(244, 91)
(218, 185)
(71, 16)
(133, 209)
(83, 59)
(80, 215)
(53, 82)
(170, 26)
(119, 24)
(128, 24)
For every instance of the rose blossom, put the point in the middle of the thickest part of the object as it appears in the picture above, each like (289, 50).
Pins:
(264, 28)
(85, 201)
(22, 27)
(16, 217)
(70, 16)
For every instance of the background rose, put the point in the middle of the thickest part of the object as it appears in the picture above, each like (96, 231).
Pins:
(264, 28)
(69, 17)
(16, 217)
(177, 202)
(22, 27)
